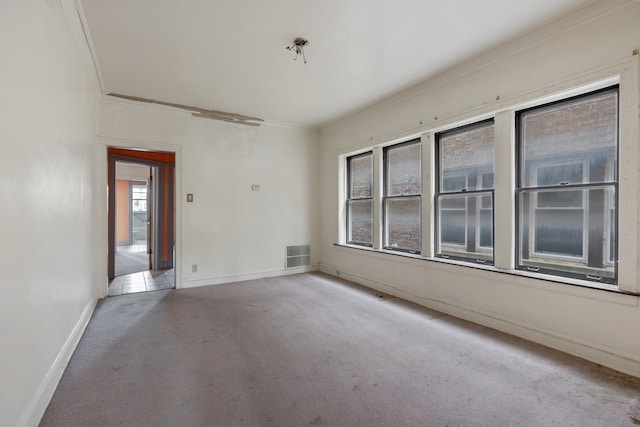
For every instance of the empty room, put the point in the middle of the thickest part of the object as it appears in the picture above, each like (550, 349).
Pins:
(411, 213)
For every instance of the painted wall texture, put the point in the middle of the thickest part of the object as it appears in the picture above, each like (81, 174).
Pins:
(48, 114)
(122, 211)
(229, 231)
(592, 45)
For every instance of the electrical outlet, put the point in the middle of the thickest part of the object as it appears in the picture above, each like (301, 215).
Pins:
(194, 268)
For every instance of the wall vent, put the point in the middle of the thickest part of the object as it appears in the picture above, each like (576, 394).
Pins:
(298, 256)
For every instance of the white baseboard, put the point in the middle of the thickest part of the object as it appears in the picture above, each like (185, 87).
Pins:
(206, 281)
(38, 405)
(623, 362)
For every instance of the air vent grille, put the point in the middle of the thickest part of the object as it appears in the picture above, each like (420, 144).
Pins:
(298, 256)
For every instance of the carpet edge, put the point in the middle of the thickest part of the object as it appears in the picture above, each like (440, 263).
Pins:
(35, 410)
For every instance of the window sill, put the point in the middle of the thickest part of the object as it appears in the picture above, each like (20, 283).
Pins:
(577, 287)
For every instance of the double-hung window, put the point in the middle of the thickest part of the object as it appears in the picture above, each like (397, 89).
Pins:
(402, 197)
(567, 186)
(360, 199)
(464, 193)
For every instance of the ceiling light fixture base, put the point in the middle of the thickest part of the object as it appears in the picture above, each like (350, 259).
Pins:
(298, 48)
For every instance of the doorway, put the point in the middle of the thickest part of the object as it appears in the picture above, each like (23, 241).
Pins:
(132, 218)
(141, 221)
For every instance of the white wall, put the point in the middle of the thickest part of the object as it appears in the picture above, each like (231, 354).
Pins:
(595, 43)
(132, 171)
(230, 232)
(48, 245)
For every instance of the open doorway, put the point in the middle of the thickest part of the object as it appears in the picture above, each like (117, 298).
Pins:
(141, 221)
(132, 218)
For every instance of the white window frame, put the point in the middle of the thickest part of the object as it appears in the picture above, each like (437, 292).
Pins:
(610, 257)
(627, 252)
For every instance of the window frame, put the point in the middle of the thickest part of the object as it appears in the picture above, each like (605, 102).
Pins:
(386, 197)
(610, 180)
(350, 199)
(486, 253)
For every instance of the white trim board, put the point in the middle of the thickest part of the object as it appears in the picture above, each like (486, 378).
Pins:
(40, 400)
(623, 362)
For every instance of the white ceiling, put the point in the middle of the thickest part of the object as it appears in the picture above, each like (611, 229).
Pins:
(229, 55)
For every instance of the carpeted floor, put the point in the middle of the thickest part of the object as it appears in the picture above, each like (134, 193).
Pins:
(313, 350)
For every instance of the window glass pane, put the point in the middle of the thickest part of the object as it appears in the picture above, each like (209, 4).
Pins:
(453, 203)
(139, 206)
(576, 241)
(403, 170)
(559, 231)
(486, 227)
(361, 176)
(139, 198)
(582, 128)
(453, 225)
(611, 256)
(466, 154)
(487, 181)
(559, 199)
(361, 221)
(453, 183)
(467, 231)
(402, 217)
(486, 202)
(560, 174)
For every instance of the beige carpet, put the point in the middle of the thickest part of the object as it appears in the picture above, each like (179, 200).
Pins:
(313, 350)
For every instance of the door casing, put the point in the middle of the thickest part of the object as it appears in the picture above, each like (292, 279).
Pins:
(164, 188)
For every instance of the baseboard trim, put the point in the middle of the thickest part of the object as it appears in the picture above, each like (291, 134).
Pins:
(217, 280)
(38, 405)
(623, 362)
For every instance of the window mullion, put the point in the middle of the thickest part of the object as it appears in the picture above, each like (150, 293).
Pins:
(629, 178)
(504, 196)
(428, 192)
(378, 178)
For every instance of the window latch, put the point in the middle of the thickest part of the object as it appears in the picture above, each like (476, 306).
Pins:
(481, 261)
(533, 269)
(590, 277)
(564, 183)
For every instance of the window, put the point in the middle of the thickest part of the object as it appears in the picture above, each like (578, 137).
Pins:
(138, 203)
(567, 186)
(464, 194)
(360, 199)
(402, 197)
